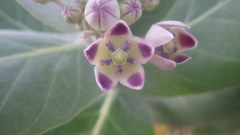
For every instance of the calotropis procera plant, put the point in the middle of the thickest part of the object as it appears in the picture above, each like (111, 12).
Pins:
(48, 86)
(118, 55)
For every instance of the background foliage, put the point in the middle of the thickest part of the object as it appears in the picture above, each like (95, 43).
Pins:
(47, 86)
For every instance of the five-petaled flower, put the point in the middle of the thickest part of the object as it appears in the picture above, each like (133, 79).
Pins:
(170, 39)
(118, 57)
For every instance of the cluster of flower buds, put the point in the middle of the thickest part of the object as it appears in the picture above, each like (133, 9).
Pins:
(100, 15)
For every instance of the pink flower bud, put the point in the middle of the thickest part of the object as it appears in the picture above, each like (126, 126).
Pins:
(131, 10)
(72, 14)
(102, 14)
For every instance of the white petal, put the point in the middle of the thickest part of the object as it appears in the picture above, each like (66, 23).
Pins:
(158, 36)
(163, 63)
(104, 81)
(134, 80)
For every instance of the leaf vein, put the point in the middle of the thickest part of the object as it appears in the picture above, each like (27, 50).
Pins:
(49, 93)
(12, 86)
(209, 12)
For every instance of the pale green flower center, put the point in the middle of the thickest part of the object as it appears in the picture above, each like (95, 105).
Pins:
(119, 57)
(169, 47)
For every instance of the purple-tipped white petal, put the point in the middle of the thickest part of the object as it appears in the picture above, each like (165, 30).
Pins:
(172, 24)
(180, 59)
(91, 51)
(103, 81)
(163, 63)
(135, 80)
(185, 40)
(140, 50)
(102, 14)
(120, 28)
(97, 51)
(145, 49)
(158, 36)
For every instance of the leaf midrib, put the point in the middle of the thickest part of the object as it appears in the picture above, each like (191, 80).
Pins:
(40, 52)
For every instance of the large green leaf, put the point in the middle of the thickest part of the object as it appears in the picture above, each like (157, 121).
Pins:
(46, 81)
(13, 16)
(122, 118)
(43, 81)
(49, 14)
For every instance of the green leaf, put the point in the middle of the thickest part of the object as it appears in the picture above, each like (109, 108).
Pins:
(13, 16)
(43, 81)
(122, 118)
(49, 14)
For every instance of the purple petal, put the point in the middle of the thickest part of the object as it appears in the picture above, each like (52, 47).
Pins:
(134, 80)
(145, 49)
(172, 24)
(158, 36)
(119, 28)
(186, 40)
(103, 81)
(91, 51)
(163, 63)
(180, 59)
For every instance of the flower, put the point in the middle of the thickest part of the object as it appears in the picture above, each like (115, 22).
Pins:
(102, 14)
(170, 39)
(118, 57)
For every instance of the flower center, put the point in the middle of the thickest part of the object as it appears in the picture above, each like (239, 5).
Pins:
(119, 57)
(169, 47)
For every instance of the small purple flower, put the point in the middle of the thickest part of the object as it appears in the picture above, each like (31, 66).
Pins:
(118, 57)
(102, 14)
(170, 39)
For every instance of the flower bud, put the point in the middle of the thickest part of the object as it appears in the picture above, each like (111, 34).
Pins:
(102, 14)
(149, 4)
(72, 14)
(42, 1)
(81, 3)
(131, 10)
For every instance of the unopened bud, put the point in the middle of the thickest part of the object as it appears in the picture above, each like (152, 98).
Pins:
(131, 10)
(102, 14)
(149, 4)
(81, 3)
(72, 14)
